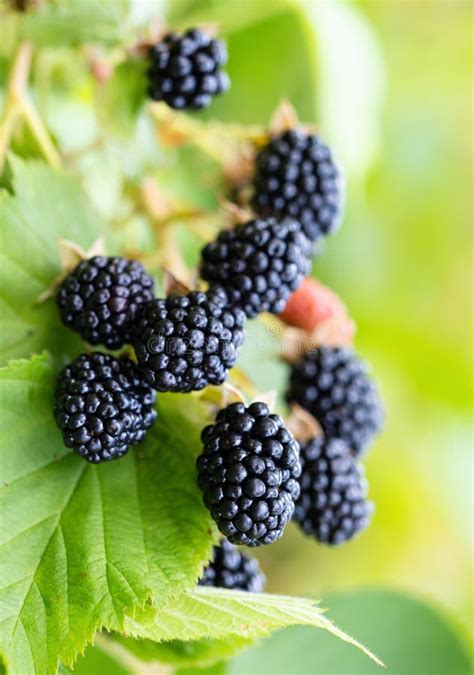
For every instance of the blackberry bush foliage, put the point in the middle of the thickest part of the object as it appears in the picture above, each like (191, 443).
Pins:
(185, 342)
(229, 568)
(259, 263)
(332, 505)
(333, 385)
(129, 545)
(186, 70)
(100, 299)
(296, 177)
(102, 406)
(248, 473)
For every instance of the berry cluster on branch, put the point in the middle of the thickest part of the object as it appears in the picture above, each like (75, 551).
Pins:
(255, 475)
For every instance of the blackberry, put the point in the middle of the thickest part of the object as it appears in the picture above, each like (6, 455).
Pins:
(185, 70)
(102, 406)
(186, 342)
(332, 505)
(232, 569)
(333, 385)
(248, 473)
(259, 263)
(296, 177)
(100, 299)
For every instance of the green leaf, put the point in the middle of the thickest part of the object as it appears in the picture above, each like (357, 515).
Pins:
(196, 653)
(72, 22)
(120, 99)
(45, 207)
(82, 545)
(215, 669)
(289, 48)
(268, 43)
(351, 79)
(217, 613)
(410, 637)
(230, 17)
(95, 662)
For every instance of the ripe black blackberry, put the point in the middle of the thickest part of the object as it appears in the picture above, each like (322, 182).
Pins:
(333, 384)
(332, 505)
(259, 263)
(185, 342)
(296, 177)
(229, 568)
(248, 473)
(102, 406)
(185, 70)
(100, 299)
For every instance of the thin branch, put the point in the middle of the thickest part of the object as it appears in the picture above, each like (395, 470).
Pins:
(18, 105)
(39, 131)
(16, 86)
(126, 659)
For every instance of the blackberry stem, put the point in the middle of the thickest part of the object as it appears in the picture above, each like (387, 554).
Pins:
(18, 105)
(208, 136)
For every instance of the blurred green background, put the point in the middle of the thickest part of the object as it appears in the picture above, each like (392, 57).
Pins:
(389, 84)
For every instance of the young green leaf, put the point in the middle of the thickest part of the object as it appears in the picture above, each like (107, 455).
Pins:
(182, 653)
(82, 545)
(216, 613)
(72, 22)
(45, 207)
(120, 99)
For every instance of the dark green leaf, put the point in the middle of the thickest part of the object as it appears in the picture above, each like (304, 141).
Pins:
(81, 545)
(71, 22)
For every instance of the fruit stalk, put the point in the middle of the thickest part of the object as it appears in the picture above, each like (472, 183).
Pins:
(18, 105)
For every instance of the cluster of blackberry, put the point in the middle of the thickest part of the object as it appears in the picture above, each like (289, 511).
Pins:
(229, 568)
(182, 343)
(333, 385)
(254, 476)
(185, 70)
(248, 472)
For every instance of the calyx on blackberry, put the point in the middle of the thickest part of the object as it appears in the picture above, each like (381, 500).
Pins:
(101, 297)
(259, 263)
(334, 386)
(185, 342)
(248, 473)
(102, 406)
(185, 70)
(296, 177)
(332, 505)
(229, 568)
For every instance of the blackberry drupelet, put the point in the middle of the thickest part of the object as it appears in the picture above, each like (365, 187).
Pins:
(296, 177)
(248, 473)
(332, 505)
(259, 263)
(102, 406)
(185, 70)
(100, 299)
(232, 569)
(185, 342)
(334, 386)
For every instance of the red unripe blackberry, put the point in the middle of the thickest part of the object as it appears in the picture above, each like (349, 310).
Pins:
(185, 342)
(102, 406)
(185, 70)
(333, 384)
(296, 177)
(311, 305)
(332, 506)
(248, 473)
(259, 263)
(229, 568)
(101, 297)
